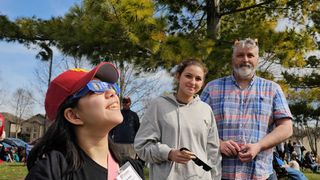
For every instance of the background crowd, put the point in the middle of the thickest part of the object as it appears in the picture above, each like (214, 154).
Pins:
(295, 155)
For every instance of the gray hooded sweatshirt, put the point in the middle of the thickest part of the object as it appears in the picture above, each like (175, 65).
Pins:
(167, 125)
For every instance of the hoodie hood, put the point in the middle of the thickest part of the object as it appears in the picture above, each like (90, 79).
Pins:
(172, 99)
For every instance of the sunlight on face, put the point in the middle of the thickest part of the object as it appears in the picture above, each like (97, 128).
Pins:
(244, 62)
(190, 80)
(100, 110)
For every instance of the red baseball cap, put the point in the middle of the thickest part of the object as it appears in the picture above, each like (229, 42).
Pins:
(71, 81)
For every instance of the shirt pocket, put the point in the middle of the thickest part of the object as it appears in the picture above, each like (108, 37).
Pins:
(263, 105)
(263, 111)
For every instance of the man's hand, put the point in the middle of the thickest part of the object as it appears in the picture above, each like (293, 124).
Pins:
(229, 148)
(249, 151)
(181, 157)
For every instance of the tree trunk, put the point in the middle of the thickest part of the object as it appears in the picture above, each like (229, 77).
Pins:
(50, 68)
(213, 18)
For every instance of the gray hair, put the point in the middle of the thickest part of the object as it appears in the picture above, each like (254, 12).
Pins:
(248, 43)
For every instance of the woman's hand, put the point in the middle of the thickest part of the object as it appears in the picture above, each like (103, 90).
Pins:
(181, 157)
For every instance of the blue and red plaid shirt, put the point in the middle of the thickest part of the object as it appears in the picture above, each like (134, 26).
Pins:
(246, 116)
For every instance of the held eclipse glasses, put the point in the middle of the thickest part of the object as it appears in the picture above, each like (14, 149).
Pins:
(198, 161)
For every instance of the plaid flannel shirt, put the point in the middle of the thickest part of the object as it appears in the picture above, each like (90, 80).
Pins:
(246, 116)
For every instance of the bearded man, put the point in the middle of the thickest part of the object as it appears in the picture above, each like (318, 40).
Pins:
(252, 116)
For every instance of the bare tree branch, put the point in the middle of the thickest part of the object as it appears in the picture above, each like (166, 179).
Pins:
(23, 104)
(141, 87)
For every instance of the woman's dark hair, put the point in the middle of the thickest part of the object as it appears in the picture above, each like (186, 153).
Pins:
(189, 62)
(60, 136)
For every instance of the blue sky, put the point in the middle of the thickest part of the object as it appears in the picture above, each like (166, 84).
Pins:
(17, 62)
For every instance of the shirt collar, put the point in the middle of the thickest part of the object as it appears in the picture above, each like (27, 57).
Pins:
(250, 84)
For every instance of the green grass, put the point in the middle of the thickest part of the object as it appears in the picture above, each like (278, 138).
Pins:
(13, 171)
(18, 171)
(310, 175)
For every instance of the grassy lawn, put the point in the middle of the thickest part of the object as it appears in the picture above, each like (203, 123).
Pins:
(310, 175)
(13, 171)
(17, 171)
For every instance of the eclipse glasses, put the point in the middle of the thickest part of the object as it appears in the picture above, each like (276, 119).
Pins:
(97, 87)
(198, 161)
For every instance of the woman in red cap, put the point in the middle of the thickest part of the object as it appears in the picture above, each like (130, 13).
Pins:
(83, 107)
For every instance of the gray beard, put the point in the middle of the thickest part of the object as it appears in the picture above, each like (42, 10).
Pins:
(244, 74)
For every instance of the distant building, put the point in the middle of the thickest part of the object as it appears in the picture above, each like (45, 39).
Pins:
(30, 130)
(33, 128)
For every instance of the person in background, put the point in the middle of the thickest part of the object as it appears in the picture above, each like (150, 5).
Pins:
(83, 107)
(179, 127)
(7, 154)
(309, 160)
(302, 152)
(287, 151)
(291, 173)
(124, 133)
(252, 115)
(294, 163)
(123, 137)
(23, 156)
(14, 153)
(291, 149)
(297, 149)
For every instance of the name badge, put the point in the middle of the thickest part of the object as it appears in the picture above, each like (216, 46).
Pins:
(127, 172)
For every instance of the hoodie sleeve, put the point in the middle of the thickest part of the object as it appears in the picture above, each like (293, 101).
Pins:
(147, 141)
(213, 149)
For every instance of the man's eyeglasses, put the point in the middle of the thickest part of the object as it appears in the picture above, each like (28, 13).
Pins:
(198, 161)
(97, 87)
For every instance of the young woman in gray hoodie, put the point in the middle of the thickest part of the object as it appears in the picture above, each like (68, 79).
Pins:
(180, 120)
